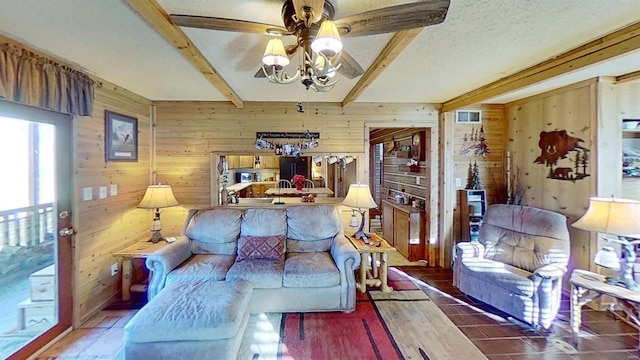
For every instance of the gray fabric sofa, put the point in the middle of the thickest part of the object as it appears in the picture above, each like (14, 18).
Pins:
(316, 272)
(518, 263)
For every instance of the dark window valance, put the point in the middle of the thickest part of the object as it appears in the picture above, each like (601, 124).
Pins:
(34, 80)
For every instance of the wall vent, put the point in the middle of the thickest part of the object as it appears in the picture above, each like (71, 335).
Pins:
(468, 116)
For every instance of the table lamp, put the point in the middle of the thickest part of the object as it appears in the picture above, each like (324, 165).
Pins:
(617, 217)
(157, 197)
(359, 198)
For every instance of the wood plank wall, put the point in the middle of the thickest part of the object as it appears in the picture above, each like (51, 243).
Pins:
(572, 109)
(106, 225)
(491, 166)
(188, 133)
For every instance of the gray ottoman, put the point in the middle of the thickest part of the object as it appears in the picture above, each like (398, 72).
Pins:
(203, 320)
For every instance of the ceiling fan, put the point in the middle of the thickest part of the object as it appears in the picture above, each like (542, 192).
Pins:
(318, 35)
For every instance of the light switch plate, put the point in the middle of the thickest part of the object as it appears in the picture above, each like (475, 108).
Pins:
(102, 192)
(87, 194)
(114, 189)
(458, 182)
(417, 180)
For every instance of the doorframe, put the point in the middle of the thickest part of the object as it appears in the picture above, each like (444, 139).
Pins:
(434, 209)
(65, 275)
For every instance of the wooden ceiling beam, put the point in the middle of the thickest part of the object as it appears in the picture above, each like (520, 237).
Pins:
(635, 75)
(604, 48)
(396, 45)
(159, 20)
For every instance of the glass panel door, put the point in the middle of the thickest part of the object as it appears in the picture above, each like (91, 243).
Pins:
(35, 306)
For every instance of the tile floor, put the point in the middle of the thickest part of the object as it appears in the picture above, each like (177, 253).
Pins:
(602, 336)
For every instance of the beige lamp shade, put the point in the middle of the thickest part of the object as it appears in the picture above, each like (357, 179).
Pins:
(274, 54)
(158, 196)
(607, 258)
(611, 216)
(359, 197)
(328, 39)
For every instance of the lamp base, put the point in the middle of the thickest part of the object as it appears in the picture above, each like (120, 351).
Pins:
(360, 234)
(625, 283)
(156, 236)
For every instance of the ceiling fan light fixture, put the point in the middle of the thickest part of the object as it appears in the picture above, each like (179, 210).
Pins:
(328, 39)
(274, 54)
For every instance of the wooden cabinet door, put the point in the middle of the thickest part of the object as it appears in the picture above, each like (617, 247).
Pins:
(246, 161)
(401, 232)
(387, 224)
(255, 189)
(270, 162)
(233, 161)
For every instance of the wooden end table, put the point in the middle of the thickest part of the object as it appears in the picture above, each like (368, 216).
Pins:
(139, 250)
(587, 286)
(372, 278)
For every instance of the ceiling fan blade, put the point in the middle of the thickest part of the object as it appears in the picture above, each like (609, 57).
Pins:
(350, 67)
(222, 24)
(396, 18)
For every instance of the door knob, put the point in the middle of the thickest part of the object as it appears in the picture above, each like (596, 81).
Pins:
(63, 214)
(66, 232)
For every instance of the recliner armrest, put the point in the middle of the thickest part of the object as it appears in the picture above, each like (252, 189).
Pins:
(161, 262)
(469, 250)
(551, 271)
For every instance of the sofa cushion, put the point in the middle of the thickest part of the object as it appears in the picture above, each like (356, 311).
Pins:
(207, 310)
(260, 273)
(312, 269)
(261, 247)
(264, 222)
(202, 268)
(512, 279)
(312, 228)
(214, 231)
(525, 237)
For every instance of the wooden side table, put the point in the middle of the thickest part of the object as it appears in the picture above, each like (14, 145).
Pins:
(139, 250)
(372, 278)
(587, 286)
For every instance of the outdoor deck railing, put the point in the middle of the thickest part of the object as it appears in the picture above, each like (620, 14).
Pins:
(28, 226)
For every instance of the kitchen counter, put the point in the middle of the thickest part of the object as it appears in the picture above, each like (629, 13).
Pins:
(239, 186)
(270, 202)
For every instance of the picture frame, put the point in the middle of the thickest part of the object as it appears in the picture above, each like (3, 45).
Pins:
(120, 137)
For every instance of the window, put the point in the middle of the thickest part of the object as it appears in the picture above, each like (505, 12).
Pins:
(468, 116)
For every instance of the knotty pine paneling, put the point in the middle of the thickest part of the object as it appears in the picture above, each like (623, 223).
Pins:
(570, 109)
(491, 166)
(105, 226)
(187, 133)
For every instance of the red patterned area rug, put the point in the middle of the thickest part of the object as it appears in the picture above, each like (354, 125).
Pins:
(404, 324)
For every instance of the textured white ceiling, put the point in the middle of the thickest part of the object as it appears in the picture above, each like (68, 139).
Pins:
(480, 41)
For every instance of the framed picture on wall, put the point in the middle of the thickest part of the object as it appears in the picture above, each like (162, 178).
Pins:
(120, 137)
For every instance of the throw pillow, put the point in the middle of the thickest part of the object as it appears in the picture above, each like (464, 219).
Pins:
(261, 247)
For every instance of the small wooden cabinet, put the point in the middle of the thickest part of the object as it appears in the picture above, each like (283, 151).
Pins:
(404, 227)
(473, 205)
(240, 161)
(269, 162)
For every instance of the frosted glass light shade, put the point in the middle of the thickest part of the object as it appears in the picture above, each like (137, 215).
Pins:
(274, 54)
(611, 216)
(359, 197)
(328, 39)
(158, 196)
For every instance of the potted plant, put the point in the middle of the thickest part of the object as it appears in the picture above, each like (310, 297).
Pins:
(298, 181)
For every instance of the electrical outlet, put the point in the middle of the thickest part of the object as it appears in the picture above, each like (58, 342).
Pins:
(102, 192)
(114, 189)
(114, 269)
(87, 194)
(458, 182)
(417, 180)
